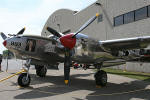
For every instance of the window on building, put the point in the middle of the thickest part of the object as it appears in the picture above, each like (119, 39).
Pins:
(141, 13)
(132, 16)
(148, 11)
(118, 20)
(129, 17)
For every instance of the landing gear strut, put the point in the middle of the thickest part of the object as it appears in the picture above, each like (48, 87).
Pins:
(100, 77)
(24, 78)
(41, 70)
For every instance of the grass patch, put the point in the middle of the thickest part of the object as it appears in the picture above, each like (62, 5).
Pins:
(135, 75)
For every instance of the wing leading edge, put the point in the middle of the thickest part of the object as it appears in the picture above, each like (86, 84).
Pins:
(126, 43)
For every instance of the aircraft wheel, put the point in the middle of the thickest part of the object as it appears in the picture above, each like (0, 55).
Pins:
(23, 81)
(41, 71)
(101, 78)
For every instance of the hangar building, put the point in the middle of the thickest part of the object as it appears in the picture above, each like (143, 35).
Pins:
(118, 19)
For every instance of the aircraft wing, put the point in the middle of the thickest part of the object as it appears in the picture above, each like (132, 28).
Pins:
(113, 63)
(126, 43)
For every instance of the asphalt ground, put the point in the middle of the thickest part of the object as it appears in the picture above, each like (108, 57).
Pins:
(82, 86)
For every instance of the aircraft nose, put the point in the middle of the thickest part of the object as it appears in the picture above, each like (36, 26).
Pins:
(5, 43)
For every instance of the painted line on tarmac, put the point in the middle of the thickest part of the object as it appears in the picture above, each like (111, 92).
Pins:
(12, 75)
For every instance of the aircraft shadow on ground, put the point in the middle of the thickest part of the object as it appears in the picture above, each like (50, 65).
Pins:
(84, 84)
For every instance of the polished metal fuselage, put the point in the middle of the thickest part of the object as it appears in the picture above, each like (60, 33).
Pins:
(50, 51)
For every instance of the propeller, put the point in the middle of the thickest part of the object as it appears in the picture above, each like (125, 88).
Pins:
(67, 64)
(69, 41)
(87, 24)
(54, 32)
(19, 33)
(3, 35)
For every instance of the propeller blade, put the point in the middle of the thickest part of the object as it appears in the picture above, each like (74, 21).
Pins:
(54, 32)
(21, 31)
(11, 34)
(3, 35)
(86, 24)
(67, 65)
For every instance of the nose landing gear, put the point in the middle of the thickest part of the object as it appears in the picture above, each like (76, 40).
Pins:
(24, 80)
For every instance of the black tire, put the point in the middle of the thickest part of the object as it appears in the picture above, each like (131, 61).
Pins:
(101, 78)
(84, 68)
(41, 71)
(22, 80)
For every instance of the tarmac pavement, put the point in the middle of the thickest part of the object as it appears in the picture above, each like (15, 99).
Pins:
(82, 86)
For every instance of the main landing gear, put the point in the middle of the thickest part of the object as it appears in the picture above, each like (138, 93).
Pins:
(100, 78)
(24, 78)
(41, 70)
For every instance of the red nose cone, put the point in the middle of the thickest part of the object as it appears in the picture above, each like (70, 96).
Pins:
(67, 41)
(5, 43)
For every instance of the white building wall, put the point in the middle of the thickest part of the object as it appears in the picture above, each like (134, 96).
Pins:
(64, 19)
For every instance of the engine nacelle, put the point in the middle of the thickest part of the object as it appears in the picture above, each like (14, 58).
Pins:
(133, 53)
(118, 53)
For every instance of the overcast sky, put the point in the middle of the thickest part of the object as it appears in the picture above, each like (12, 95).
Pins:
(32, 14)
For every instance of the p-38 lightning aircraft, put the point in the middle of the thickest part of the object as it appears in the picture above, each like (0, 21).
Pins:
(58, 48)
